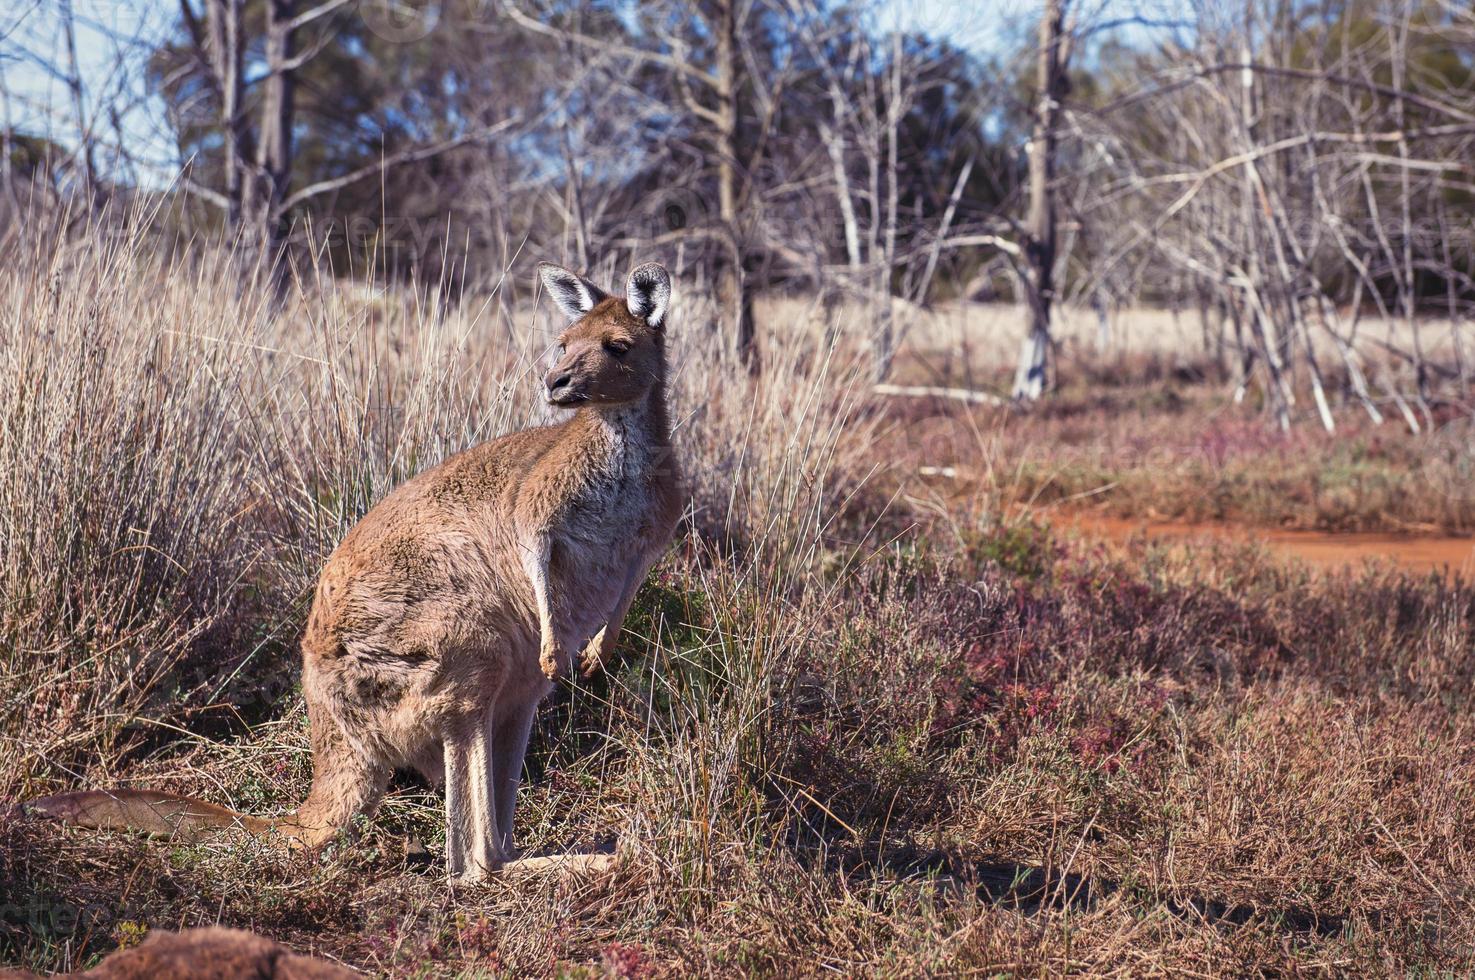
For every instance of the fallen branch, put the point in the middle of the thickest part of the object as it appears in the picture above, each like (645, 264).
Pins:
(929, 391)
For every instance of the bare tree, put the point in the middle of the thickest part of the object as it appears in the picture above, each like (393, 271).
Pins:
(256, 192)
(1031, 374)
(1283, 170)
(712, 95)
(869, 87)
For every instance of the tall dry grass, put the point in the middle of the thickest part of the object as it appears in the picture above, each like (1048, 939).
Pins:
(856, 727)
(180, 453)
(126, 506)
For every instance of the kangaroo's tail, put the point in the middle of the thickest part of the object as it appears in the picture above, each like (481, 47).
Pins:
(147, 811)
(344, 785)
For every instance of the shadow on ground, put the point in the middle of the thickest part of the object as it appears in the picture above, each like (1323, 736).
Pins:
(1031, 889)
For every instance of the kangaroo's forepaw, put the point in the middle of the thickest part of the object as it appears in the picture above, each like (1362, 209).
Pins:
(551, 661)
(592, 659)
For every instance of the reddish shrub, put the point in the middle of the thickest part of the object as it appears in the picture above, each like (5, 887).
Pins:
(627, 960)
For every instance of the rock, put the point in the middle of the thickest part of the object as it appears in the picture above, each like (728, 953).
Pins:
(213, 953)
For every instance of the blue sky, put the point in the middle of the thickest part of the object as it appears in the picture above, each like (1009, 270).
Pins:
(37, 100)
(981, 27)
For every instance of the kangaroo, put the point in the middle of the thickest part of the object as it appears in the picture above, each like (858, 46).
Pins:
(446, 614)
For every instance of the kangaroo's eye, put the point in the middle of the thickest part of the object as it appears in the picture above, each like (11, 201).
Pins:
(617, 347)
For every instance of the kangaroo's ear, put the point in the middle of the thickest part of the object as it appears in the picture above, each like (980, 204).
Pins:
(648, 293)
(574, 294)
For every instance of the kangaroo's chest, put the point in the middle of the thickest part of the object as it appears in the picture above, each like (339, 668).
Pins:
(596, 549)
(605, 520)
(609, 513)
(603, 527)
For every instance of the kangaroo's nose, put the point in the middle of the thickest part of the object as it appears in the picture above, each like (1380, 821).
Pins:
(556, 380)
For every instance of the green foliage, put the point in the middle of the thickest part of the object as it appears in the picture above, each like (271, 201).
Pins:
(679, 659)
(1023, 548)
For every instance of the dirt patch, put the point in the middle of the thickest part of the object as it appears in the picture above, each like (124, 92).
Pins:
(1416, 553)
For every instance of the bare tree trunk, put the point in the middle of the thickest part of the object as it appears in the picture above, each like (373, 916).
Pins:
(274, 151)
(1262, 325)
(84, 154)
(835, 147)
(885, 302)
(1408, 296)
(7, 175)
(1451, 293)
(732, 291)
(223, 26)
(924, 286)
(1030, 377)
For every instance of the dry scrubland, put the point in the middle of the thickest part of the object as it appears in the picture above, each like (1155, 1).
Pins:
(861, 724)
(1144, 426)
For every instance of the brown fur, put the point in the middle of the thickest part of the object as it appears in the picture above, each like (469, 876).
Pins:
(441, 619)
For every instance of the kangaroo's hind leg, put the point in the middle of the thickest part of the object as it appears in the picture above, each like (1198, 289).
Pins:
(473, 845)
(510, 723)
(345, 783)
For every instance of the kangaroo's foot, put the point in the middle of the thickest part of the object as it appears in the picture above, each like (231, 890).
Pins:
(474, 873)
(588, 864)
(583, 863)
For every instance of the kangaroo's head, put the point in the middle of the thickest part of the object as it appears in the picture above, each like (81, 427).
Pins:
(614, 349)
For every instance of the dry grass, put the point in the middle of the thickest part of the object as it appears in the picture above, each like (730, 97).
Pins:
(852, 730)
(959, 338)
(1141, 437)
